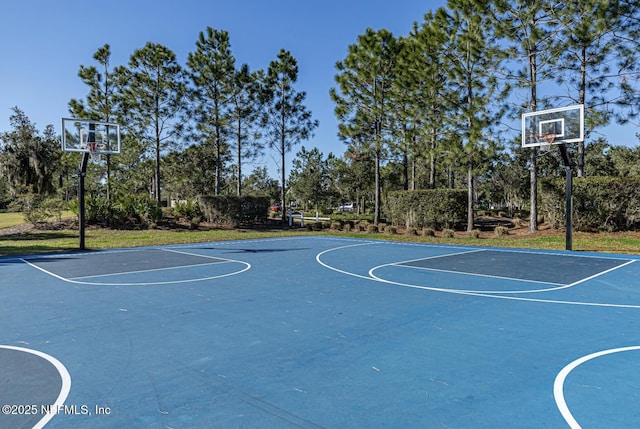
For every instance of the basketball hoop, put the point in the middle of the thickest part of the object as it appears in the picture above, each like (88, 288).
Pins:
(95, 150)
(546, 140)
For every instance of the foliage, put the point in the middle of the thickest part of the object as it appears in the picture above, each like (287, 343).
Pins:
(154, 100)
(364, 100)
(187, 210)
(433, 208)
(599, 203)
(259, 184)
(415, 111)
(245, 114)
(102, 101)
(309, 178)
(37, 209)
(285, 121)
(211, 68)
(125, 211)
(501, 231)
(28, 160)
(234, 210)
(591, 36)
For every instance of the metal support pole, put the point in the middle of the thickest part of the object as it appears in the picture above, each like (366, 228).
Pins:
(568, 163)
(82, 172)
(569, 210)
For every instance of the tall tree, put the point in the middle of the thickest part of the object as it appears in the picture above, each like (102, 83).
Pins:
(28, 160)
(154, 98)
(591, 54)
(363, 98)
(102, 101)
(528, 28)
(473, 61)
(424, 93)
(212, 70)
(285, 121)
(245, 135)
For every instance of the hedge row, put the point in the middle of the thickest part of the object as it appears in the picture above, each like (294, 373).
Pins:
(227, 209)
(599, 203)
(125, 211)
(430, 208)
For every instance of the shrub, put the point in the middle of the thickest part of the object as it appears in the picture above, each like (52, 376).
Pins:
(474, 233)
(33, 208)
(428, 232)
(391, 230)
(372, 228)
(501, 231)
(412, 231)
(433, 208)
(517, 222)
(447, 233)
(599, 203)
(233, 210)
(187, 210)
(347, 227)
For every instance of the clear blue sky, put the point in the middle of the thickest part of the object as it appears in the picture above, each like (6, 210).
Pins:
(43, 43)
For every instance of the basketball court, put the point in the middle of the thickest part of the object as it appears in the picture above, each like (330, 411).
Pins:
(320, 332)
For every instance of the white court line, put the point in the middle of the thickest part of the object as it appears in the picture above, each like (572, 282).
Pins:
(192, 254)
(466, 273)
(72, 280)
(558, 286)
(64, 389)
(224, 261)
(476, 294)
(337, 269)
(558, 385)
(438, 256)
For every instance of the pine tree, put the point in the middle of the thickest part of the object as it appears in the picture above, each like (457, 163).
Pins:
(101, 103)
(364, 96)
(245, 135)
(424, 94)
(212, 70)
(154, 97)
(285, 121)
(528, 27)
(590, 56)
(472, 63)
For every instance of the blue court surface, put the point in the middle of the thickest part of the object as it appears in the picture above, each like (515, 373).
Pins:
(320, 332)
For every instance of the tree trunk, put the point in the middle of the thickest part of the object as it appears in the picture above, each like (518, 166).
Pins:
(239, 130)
(470, 195)
(378, 199)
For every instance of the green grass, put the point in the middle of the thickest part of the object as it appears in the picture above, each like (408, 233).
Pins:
(65, 240)
(95, 239)
(8, 220)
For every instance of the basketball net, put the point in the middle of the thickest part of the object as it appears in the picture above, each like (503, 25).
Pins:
(93, 147)
(546, 140)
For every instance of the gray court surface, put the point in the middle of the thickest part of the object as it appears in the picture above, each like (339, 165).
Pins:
(539, 267)
(30, 386)
(118, 262)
